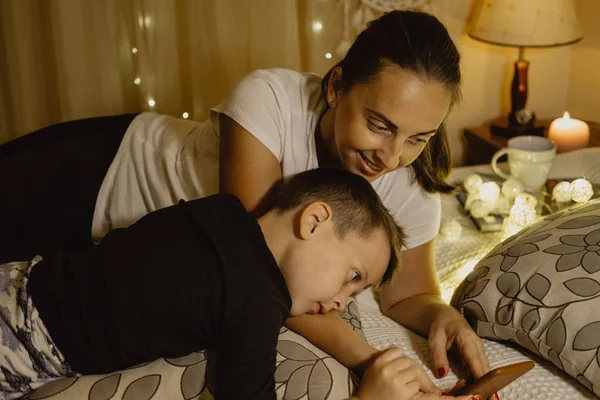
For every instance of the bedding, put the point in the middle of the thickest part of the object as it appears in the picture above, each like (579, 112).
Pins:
(540, 289)
(311, 369)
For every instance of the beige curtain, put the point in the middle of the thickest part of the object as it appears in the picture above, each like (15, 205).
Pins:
(68, 59)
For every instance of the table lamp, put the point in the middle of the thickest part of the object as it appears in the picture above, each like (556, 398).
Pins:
(523, 23)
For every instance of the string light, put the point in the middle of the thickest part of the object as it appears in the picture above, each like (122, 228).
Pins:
(185, 115)
(137, 81)
(141, 21)
(562, 192)
(511, 188)
(480, 209)
(522, 214)
(489, 192)
(451, 229)
(151, 103)
(510, 228)
(581, 190)
(328, 55)
(526, 199)
(317, 26)
(134, 50)
(472, 183)
(147, 22)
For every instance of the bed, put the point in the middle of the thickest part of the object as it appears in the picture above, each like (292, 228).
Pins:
(304, 372)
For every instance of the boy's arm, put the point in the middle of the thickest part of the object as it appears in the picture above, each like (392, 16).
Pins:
(247, 351)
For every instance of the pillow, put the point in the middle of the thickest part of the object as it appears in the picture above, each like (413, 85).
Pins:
(301, 367)
(541, 289)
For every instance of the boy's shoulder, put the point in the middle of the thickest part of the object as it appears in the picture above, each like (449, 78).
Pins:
(222, 205)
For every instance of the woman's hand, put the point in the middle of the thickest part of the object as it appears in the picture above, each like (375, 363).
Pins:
(448, 329)
(391, 375)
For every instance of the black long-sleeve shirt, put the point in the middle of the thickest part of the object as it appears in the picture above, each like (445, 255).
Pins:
(193, 276)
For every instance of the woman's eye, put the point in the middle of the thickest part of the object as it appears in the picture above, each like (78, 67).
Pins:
(419, 140)
(355, 276)
(378, 128)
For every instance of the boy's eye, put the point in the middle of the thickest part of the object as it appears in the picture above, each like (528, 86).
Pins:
(356, 276)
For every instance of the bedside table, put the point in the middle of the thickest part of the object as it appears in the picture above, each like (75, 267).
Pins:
(479, 145)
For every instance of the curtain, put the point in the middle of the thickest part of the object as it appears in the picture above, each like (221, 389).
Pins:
(62, 60)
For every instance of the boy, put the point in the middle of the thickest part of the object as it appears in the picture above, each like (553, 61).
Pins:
(200, 274)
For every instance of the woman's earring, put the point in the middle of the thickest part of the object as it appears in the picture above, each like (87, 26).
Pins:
(330, 103)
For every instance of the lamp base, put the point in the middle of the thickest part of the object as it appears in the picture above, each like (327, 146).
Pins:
(502, 127)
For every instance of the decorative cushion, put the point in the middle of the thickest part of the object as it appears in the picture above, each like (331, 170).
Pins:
(301, 368)
(541, 289)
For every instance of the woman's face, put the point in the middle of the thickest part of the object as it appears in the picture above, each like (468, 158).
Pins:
(384, 124)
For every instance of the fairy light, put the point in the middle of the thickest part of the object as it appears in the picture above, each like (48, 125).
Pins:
(562, 192)
(451, 229)
(522, 214)
(141, 21)
(489, 192)
(526, 199)
(134, 50)
(147, 22)
(472, 183)
(480, 209)
(317, 26)
(509, 228)
(511, 188)
(581, 190)
(328, 55)
(151, 103)
(185, 115)
(137, 81)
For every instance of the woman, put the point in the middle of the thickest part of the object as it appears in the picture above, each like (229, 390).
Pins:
(379, 113)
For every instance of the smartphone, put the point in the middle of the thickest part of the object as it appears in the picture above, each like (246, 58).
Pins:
(495, 380)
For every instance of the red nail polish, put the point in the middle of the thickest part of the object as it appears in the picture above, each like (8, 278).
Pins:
(446, 394)
(441, 372)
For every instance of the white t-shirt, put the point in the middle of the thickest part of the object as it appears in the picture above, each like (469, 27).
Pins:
(164, 159)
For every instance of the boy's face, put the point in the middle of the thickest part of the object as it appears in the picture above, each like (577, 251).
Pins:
(322, 271)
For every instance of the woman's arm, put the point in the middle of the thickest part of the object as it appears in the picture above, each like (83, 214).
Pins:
(414, 292)
(413, 300)
(332, 334)
(247, 169)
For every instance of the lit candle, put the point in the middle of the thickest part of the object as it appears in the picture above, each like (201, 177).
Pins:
(568, 133)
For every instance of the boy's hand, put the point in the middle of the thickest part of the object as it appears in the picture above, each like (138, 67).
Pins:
(392, 375)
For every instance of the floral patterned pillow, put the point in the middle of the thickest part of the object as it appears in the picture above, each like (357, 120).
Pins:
(303, 372)
(541, 290)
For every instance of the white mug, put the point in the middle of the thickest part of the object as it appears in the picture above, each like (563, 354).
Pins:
(529, 159)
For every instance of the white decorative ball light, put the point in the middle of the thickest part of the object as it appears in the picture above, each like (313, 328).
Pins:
(562, 192)
(480, 209)
(511, 188)
(522, 214)
(451, 229)
(489, 192)
(581, 190)
(526, 199)
(472, 183)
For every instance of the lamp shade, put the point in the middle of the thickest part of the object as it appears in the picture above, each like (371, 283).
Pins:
(526, 23)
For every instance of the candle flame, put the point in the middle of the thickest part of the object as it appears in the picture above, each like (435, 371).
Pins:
(566, 116)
